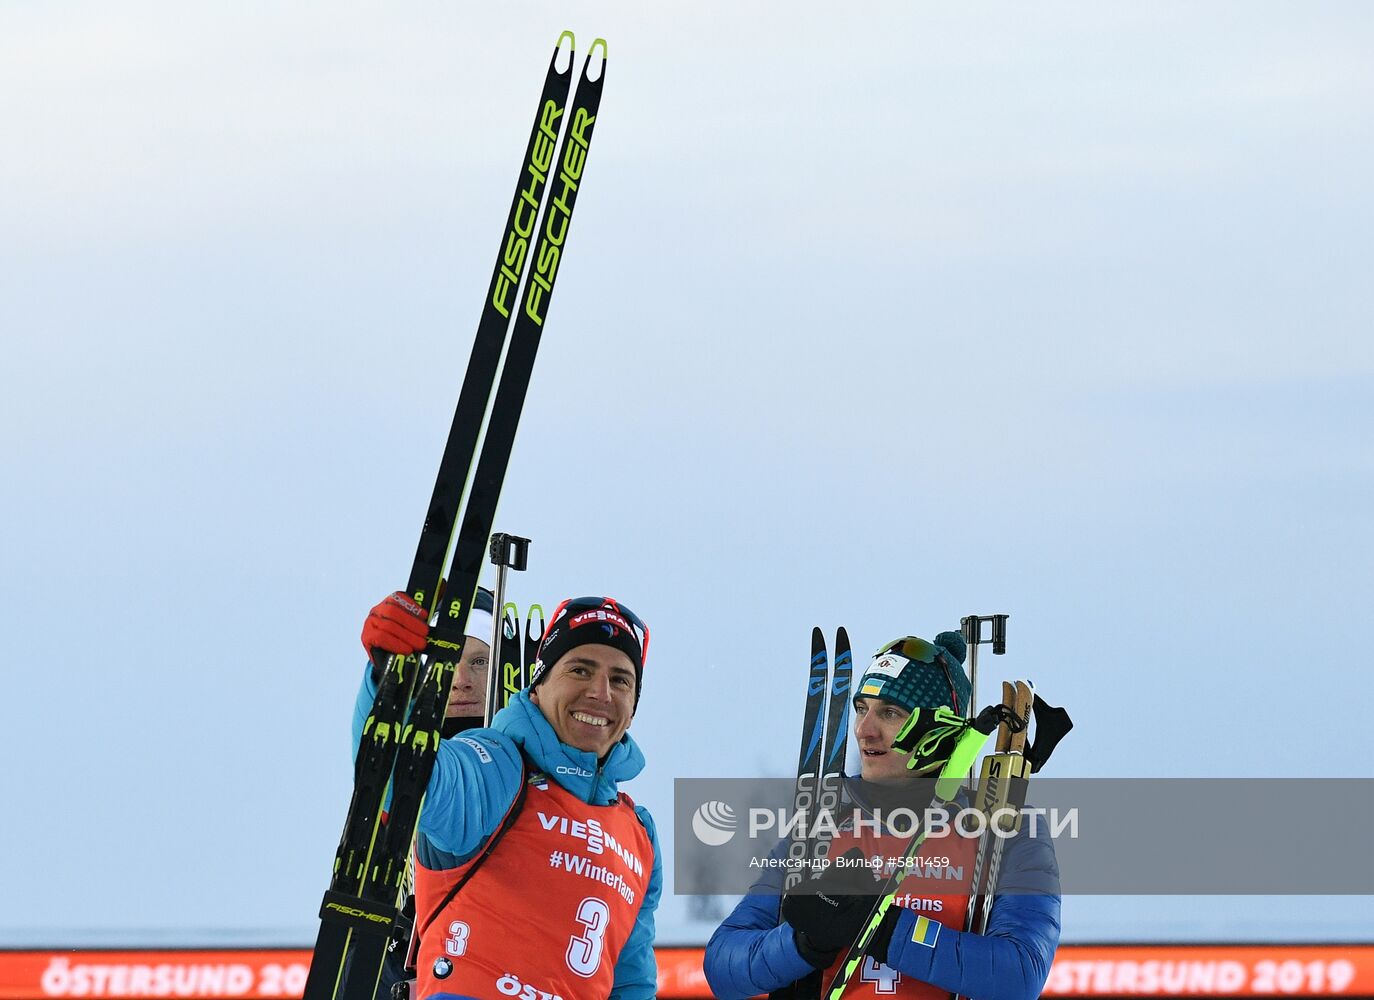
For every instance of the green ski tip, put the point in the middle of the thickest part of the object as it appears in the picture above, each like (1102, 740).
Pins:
(599, 43)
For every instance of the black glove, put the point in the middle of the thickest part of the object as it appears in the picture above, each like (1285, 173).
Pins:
(827, 913)
(822, 925)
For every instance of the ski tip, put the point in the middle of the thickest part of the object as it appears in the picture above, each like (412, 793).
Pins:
(558, 52)
(534, 627)
(596, 64)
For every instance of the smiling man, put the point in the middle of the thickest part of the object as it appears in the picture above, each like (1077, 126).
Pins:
(535, 874)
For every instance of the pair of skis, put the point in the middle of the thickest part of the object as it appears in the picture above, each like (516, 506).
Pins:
(820, 771)
(401, 734)
(505, 679)
(513, 658)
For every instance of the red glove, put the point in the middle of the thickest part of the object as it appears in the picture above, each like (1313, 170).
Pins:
(397, 625)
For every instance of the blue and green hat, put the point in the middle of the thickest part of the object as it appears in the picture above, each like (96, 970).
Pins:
(913, 673)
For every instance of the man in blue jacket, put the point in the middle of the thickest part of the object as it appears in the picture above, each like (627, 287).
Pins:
(535, 874)
(921, 949)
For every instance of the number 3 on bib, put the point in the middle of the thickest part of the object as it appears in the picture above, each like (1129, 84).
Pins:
(584, 950)
(456, 944)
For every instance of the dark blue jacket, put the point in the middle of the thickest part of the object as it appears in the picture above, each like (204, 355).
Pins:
(751, 952)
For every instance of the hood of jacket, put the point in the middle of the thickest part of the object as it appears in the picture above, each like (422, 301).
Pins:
(579, 771)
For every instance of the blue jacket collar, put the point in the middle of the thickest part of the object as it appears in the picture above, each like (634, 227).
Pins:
(576, 770)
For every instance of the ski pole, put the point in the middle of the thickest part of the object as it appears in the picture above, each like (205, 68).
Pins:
(508, 552)
(1003, 787)
(972, 628)
(1001, 791)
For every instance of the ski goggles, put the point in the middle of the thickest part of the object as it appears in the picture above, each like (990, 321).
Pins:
(895, 675)
(913, 648)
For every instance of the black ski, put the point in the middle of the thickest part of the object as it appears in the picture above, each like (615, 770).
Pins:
(820, 773)
(837, 712)
(831, 782)
(809, 759)
(533, 635)
(415, 757)
(509, 658)
(517, 651)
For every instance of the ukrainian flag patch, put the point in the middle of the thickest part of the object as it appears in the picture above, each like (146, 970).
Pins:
(926, 932)
(871, 688)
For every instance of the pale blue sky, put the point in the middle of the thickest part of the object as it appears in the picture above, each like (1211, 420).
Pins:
(872, 318)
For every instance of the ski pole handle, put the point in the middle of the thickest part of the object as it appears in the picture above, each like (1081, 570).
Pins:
(971, 626)
(509, 550)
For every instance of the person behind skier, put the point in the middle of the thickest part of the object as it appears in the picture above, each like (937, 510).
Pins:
(390, 624)
(920, 950)
(535, 874)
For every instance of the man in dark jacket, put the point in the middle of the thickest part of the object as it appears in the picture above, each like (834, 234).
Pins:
(921, 950)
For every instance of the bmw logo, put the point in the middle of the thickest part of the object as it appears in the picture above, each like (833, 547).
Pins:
(442, 968)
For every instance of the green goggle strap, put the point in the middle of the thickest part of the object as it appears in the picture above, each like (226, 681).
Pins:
(960, 763)
(941, 725)
(946, 725)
